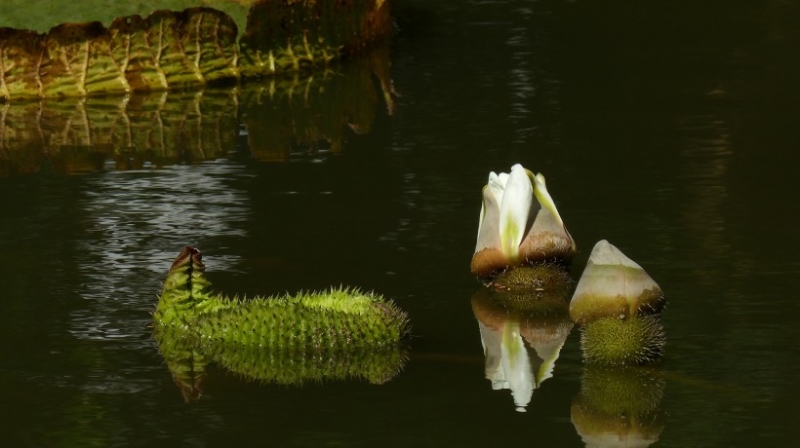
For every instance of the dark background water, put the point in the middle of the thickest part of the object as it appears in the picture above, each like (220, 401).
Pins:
(670, 129)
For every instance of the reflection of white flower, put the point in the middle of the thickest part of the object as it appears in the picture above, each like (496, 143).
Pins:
(547, 342)
(514, 228)
(521, 367)
(517, 366)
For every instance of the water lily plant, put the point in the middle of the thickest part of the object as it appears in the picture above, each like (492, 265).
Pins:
(613, 285)
(515, 229)
(618, 306)
(333, 334)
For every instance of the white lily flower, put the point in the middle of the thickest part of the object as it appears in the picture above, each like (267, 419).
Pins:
(514, 228)
(613, 285)
(515, 205)
(544, 197)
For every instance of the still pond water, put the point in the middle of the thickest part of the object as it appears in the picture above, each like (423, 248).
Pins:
(669, 129)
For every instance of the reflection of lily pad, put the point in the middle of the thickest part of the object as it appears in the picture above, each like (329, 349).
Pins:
(74, 135)
(283, 117)
(295, 368)
(188, 363)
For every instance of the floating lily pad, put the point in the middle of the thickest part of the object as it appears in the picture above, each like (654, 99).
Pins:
(191, 48)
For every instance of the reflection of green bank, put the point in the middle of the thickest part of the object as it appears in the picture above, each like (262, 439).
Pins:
(282, 116)
(619, 406)
(335, 334)
(191, 48)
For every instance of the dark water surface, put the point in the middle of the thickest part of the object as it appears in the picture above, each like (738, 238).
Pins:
(668, 128)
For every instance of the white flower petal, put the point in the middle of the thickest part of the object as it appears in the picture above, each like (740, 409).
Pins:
(540, 190)
(488, 234)
(514, 210)
(497, 185)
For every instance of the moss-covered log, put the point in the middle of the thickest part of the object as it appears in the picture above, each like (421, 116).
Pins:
(187, 49)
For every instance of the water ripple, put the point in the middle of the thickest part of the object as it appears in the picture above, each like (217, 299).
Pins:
(136, 223)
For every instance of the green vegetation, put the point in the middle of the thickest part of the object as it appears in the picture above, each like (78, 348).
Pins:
(332, 334)
(40, 16)
(283, 116)
(632, 341)
(618, 306)
(188, 48)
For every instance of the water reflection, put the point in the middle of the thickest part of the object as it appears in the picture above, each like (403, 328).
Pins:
(281, 117)
(315, 114)
(189, 362)
(81, 420)
(522, 335)
(707, 151)
(535, 86)
(160, 171)
(149, 130)
(619, 407)
(147, 202)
